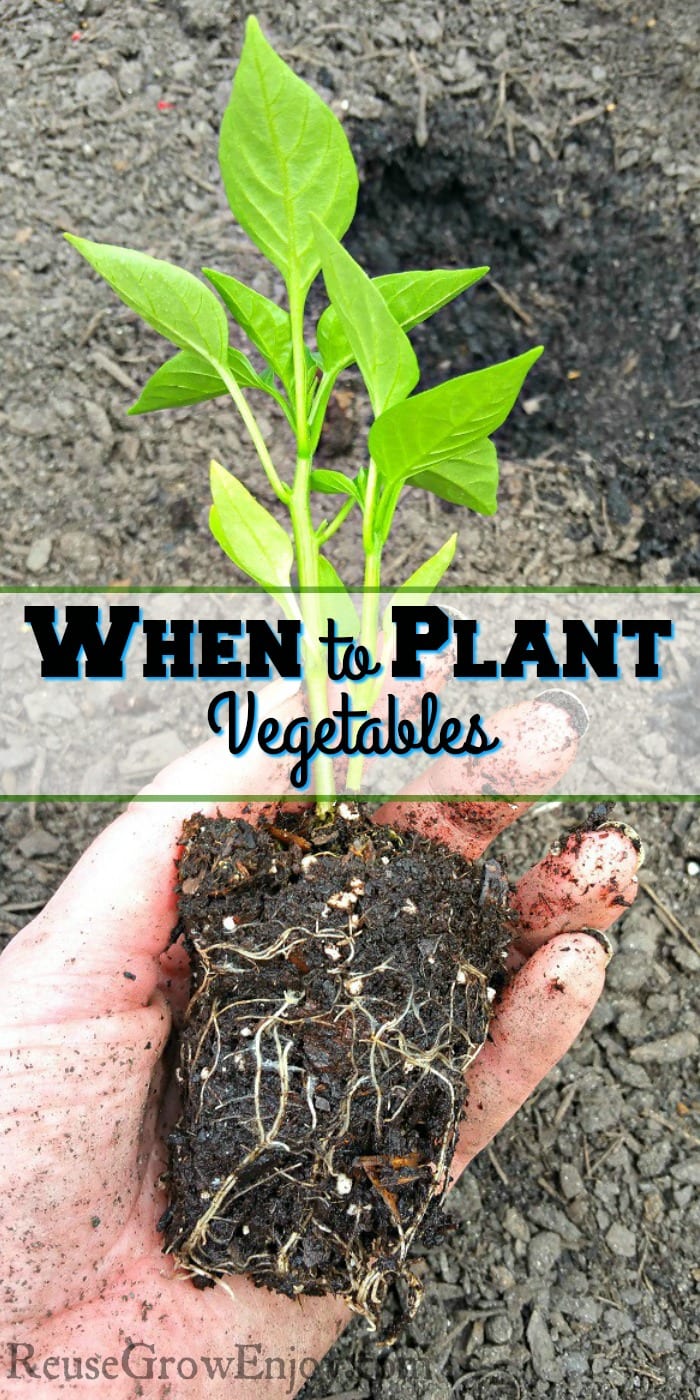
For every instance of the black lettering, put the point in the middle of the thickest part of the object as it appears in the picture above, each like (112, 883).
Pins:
(466, 630)
(530, 646)
(219, 650)
(237, 743)
(178, 645)
(333, 639)
(417, 630)
(477, 739)
(648, 631)
(104, 657)
(357, 663)
(282, 651)
(600, 650)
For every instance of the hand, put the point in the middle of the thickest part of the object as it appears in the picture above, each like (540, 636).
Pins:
(85, 1013)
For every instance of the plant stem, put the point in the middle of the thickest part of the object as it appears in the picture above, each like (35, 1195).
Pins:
(319, 406)
(306, 548)
(307, 552)
(296, 316)
(386, 508)
(335, 523)
(279, 487)
(380, 507)
(369, 522)
(369, 626)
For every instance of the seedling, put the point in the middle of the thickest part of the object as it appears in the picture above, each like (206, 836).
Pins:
(342, 975)
(291, 182)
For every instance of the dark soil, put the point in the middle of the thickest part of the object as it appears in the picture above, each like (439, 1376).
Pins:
(553, 289)
(556, 142)
(342, 982)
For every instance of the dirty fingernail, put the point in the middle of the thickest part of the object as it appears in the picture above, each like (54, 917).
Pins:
(632, 836)
(601, 938)
(577, 712)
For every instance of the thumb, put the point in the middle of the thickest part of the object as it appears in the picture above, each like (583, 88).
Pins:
(96, 946)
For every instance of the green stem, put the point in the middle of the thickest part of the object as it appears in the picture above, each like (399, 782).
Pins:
(369, 627)
(380, 506)
(319, 406)
(369, 521)
(335, 524)
(279, 487)
(369, 624)
(296, 315)
(306, 548)
(386, 508)
(307, 553)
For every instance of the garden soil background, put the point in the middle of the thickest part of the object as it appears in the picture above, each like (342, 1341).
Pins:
(558, 142)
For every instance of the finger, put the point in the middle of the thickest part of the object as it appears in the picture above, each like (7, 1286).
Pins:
(539, 741)
(97, 942)
(538, 1017)
(589, 879)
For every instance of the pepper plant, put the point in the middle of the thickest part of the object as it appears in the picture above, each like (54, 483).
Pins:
(291, 182)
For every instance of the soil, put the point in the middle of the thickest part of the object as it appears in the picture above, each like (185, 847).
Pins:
(559, 143)
(342, 983)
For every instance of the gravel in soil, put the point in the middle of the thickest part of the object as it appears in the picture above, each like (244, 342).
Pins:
(611, 1139)
(559, 141)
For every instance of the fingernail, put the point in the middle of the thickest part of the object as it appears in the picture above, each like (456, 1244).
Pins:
(601, 938)
(633, 837)
(577, 712)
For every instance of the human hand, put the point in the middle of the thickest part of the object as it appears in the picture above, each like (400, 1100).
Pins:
(85, 1013)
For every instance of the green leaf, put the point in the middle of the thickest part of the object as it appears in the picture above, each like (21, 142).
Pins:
(330, 483)
(383, 351)
(471, 481)
(425, 578)
(265, 323)
(339, 605)
(172, 301)
(284, 155)
(436, 431)
(248, 533)
(188, 379)
(411, 298)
